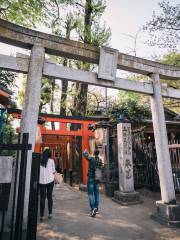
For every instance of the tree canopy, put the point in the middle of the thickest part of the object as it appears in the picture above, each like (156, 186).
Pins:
(7, 79)
(130, 106)
(164, 28)
(22, 12)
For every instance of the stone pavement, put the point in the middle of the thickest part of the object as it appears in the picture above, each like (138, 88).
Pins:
(71, 220)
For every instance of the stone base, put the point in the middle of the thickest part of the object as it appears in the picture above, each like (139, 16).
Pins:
(168, 215)
(126, 199)
(83, 187)
(110, 188)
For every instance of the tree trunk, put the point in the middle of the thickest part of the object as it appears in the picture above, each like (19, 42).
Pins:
(52, 101)
(65, 82)
(64, 93)
(80, 99)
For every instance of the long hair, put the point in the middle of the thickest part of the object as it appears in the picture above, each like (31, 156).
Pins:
(45, 156)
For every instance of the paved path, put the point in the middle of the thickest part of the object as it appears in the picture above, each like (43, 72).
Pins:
(72, 222)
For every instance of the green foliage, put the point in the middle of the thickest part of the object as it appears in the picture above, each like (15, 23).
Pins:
(46, 91)
(172, 58)
(164, 29)
(7, 79)
(77, 20)
(131, 107)
(80, 18)
(8, 132)
(22, 12)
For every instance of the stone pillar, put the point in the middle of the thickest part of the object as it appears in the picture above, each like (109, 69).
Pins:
(126, 181)
(126, 195)
(162, 149)
(167, 210)
(31, 109)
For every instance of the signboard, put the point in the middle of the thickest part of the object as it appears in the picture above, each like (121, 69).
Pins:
(108, 63)
(5, 181)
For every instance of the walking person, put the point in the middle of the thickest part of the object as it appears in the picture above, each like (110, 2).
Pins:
(46, 181)
(93, 182)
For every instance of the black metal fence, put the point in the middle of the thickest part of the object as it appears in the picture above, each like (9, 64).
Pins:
(14, 230)
(145, 161)
(174, 149)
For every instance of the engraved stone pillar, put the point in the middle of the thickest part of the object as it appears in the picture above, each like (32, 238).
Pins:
(126, 195)
(126, 181)
(31, 108)
(167, 210)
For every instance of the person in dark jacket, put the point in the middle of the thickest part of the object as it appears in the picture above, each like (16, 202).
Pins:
(46, 182)
(93, 185)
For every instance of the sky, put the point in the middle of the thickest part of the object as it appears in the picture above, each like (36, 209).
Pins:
(124, 17)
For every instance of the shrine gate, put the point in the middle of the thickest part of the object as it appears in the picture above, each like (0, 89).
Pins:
(64, 135)
(108, 61)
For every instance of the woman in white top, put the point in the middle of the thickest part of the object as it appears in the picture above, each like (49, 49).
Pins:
(46, 181)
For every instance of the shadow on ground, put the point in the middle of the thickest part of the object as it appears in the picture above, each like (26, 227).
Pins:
(72, 222)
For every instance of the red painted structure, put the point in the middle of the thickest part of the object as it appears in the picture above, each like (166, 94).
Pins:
(65, 134)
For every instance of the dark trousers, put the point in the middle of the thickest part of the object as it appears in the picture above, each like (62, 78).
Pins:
(46, 190)
(93, 193)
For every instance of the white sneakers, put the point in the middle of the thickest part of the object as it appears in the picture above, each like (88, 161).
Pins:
(43, 218)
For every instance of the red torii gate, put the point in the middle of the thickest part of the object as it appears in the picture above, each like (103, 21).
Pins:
(62, 130)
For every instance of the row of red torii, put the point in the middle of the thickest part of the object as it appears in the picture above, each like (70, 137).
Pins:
(108, 61)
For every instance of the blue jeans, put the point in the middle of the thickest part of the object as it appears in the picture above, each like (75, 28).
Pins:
(93, 193)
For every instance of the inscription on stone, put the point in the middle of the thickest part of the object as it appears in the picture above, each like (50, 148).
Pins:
(126, 181)
(108, 63)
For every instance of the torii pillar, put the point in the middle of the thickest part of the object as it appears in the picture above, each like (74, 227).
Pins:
(167, 210)
(31, 109)
(29, 121)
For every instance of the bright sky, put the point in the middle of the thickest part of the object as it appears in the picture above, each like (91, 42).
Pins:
(124, 17)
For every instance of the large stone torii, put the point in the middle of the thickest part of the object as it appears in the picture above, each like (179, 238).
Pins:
(35, 66)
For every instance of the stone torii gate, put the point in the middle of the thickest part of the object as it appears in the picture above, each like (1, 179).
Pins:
(109, 60)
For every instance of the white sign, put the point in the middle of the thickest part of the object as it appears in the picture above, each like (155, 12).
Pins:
(6, 169)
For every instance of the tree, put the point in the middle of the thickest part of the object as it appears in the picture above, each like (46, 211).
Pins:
(62, 22)
(63, 17)
(80, 18)
(172, 58)
(130, 108)
(7, 79)
(92, 33)
(164, 29)
(24, 12)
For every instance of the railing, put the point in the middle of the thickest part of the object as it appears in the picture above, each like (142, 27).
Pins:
(16, 203)
(145, 161)
(174, 149)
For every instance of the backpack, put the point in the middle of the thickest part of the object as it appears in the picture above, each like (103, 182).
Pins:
(98, 175)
